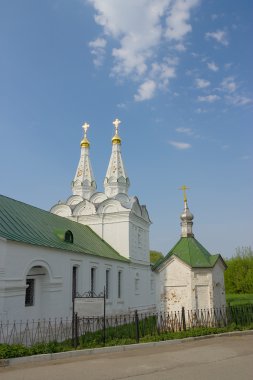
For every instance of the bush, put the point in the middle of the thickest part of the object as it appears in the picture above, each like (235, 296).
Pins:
(239, 274)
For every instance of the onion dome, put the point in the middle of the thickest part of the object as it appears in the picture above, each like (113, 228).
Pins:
(186, 214)
(186, 217)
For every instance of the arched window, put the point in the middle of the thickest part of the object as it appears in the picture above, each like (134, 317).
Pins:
(69, 237)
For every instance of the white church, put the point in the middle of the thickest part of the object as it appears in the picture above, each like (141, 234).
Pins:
(95, 241)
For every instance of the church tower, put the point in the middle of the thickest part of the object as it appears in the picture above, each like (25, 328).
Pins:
(115, 216)
(189, 275)
(84, 183)
(116, 180)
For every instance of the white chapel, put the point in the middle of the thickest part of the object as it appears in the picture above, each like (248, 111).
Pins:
(95, 241)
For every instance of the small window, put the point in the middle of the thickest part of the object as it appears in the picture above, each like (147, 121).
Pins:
(119, 284)
(29, 294)
(68, 237)
(93, 281)
(74, 282)
(107, 283)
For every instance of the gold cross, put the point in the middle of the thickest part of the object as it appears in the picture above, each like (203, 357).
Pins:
(116, 124)
(184, 188)
(85, 127)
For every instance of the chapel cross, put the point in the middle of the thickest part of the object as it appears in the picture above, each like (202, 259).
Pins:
(116, 124)
(184, 188)
(85, 127)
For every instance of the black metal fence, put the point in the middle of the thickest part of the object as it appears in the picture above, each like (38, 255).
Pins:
(129, 327)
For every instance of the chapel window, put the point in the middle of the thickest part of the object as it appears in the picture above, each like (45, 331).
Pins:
(107, 283)
(74, 282)
(119, 284)
(93, 281)
(29, 293)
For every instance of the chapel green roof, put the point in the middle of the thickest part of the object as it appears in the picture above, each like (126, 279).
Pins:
(28, 224)
(191, 252)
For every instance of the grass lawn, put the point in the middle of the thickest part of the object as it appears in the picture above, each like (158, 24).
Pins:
(239, 299)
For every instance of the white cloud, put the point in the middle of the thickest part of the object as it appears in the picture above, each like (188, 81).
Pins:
(208, 98)
(228, 84)
(146, 91)
(187, 131)
(98, 50)
(98, 43)
(212, 66)
(180, 145)
(178, 20)
(219, 36)
(202, 83)
(180, 47)
(163, 73)
(239, 100)
(137, 30)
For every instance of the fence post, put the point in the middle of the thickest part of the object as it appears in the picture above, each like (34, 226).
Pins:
(137, 327)
(104, 316)
(183, 318)
(76, 330)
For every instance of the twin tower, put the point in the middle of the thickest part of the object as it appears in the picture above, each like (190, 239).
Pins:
(116, 180)
(115, 216)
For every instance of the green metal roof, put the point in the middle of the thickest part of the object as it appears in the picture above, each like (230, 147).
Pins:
(28, 224)
(190, 251)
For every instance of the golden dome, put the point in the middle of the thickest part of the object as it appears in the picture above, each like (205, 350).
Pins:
(116, 139)
(85, 143)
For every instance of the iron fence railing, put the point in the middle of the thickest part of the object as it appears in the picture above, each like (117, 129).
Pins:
(128, 326)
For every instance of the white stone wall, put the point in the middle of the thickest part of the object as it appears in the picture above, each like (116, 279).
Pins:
(175, 286)
(194, 288)
(53, 282)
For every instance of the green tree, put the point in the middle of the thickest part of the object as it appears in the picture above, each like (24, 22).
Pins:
(239, 274)
(155, 256)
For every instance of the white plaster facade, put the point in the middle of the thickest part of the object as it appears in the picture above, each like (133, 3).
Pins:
(192, 288)
(52, 271)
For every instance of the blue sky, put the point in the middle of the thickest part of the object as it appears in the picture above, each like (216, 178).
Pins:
(178, 74)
